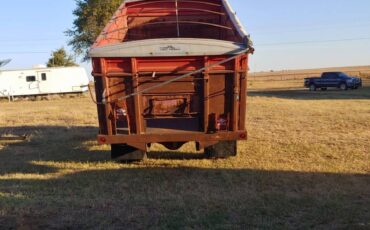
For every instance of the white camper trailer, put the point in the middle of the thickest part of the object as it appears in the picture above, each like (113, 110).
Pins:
(43, 81)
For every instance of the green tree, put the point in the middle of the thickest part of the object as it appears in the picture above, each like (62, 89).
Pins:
(91, 18)
(59, 58)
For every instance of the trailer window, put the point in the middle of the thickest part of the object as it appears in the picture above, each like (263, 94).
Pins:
(30, 78)
(43, 76)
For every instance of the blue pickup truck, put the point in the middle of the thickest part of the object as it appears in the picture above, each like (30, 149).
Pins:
(333, 80)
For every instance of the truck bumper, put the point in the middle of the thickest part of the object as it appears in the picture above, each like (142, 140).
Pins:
(141, 141)
(355, 85)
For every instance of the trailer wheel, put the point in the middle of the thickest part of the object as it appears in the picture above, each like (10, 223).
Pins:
(126, 153)
(221, 150)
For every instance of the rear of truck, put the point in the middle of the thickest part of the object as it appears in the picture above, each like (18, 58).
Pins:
(180, 79)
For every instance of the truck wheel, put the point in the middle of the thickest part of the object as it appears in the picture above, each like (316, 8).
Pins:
(221, 150)
(313, 87)
(126, 153)
(343, 86)
(324, 89)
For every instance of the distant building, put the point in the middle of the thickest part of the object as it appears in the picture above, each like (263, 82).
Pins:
(43, 81)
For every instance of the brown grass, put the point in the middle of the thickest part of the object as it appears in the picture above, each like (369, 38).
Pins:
(306, 165)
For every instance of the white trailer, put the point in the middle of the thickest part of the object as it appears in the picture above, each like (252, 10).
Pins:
(43, 81)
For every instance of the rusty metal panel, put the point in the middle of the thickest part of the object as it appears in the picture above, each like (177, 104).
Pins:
(118, 65)
(163, 64)
(99, 88)
(163, 97)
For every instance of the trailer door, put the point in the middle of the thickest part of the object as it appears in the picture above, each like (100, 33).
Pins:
(33, 85)
(44, 81)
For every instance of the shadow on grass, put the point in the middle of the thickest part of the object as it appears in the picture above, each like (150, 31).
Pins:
(47, 143)
(159, 197)
(175, 155)
(61, 144)
(176, 198)
(305, 94)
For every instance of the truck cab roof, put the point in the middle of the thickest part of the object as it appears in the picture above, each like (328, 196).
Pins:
(334, 75)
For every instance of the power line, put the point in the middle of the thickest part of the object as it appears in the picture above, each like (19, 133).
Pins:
(314, 42)
(300, 28)
(32, 43)
(31, 40)
(257, 45)
(26, 52)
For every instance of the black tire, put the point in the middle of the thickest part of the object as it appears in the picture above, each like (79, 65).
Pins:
(343, 86)
(221, 150)
(126, 153)
(324, 89)
(313, 87)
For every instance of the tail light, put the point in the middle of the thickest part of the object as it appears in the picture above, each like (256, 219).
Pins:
(222, 124)
(243, 136)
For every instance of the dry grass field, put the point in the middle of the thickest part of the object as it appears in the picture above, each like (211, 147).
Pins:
(294, 78)
(306, 165)
(300, 74)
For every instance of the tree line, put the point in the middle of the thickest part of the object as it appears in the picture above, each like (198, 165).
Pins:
(91, 16)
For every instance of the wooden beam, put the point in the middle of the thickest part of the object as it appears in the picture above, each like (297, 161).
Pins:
(108, 109)
(236, 96)
(137, 98)
(206, 94)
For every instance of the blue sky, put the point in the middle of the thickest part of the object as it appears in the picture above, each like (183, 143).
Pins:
(288, 34)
